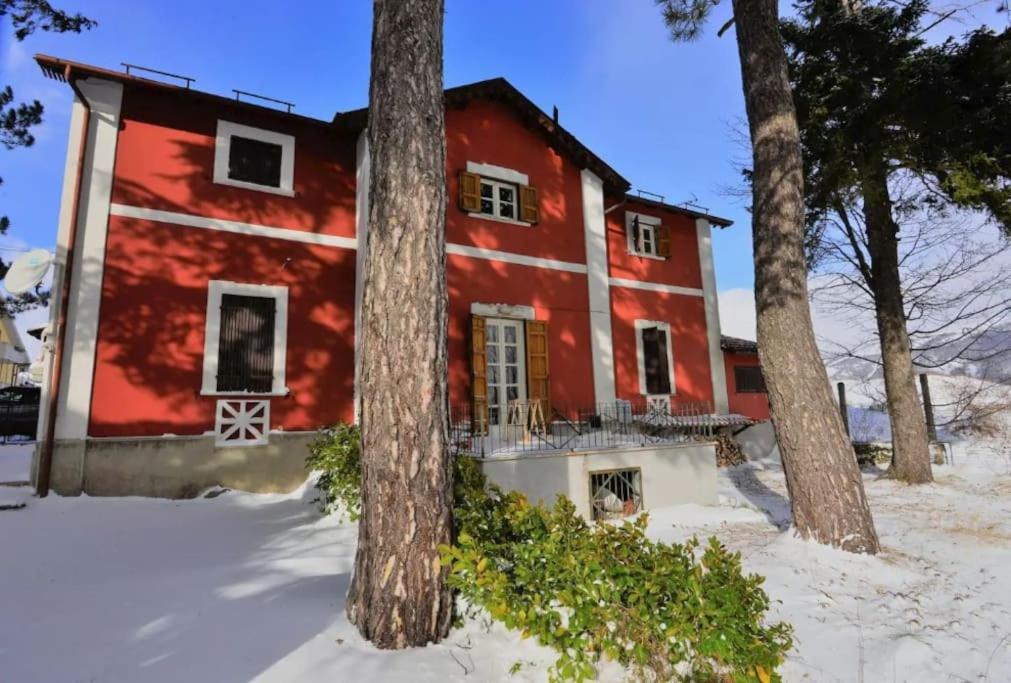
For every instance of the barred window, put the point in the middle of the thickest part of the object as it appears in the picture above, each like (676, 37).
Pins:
(749, 380)
(246, 339)
(246, 344)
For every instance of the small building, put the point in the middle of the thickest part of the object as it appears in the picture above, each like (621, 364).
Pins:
(217, 280)
(746, 393)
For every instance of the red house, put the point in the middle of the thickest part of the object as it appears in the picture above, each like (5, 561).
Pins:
(215, 260)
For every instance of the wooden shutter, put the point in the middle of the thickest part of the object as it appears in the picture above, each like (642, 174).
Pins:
(538, 383)
(246, 344)
(470, 192)
(635, 235)
(529, 212)
(662, 233)
(654, 352)
(479, 377)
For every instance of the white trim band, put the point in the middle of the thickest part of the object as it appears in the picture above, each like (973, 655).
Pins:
(191, 221)
(518, 259)
(654, 287)
(498, 173)
(515, 311)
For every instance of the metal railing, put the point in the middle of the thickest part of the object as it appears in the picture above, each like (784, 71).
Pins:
(607, 425)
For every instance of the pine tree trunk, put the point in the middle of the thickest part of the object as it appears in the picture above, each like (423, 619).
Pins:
(910, 447)
(825, 485)
(398, 596)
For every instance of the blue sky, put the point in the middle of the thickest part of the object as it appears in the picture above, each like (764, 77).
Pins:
(667, 116)
(660, 113)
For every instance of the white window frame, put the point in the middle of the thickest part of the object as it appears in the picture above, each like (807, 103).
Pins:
(212, 334)
(647, 224)
(640, 355)
(496, 202)
(222, 148)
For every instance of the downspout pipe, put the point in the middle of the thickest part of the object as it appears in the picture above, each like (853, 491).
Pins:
(44, 473)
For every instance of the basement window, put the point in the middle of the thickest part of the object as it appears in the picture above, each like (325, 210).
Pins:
(254, 158)
(615, 493)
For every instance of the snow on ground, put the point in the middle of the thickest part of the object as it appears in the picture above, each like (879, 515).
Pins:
(251, 587)
(15, 461)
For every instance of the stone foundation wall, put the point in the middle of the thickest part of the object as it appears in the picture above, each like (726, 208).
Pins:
(176, 466)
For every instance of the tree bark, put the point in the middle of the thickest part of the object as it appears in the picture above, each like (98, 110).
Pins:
(398, 595)
(824, 481)
(910, 448)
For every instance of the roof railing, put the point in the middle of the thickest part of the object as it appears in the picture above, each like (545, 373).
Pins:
(189, 81)
(239, 93)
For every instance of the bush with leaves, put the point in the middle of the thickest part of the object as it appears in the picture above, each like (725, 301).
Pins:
(664, 611)
(336, 454)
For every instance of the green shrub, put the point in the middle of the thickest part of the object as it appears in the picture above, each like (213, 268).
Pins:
(664, 611)
(336, 454)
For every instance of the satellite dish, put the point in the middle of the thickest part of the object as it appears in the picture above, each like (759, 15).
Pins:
(27, 271)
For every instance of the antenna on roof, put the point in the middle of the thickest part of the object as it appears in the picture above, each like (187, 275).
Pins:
(554, 114)
(156, 71)
(693, 202)
(238, 93)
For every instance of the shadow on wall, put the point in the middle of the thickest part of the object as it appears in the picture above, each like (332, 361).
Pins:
(154, 298)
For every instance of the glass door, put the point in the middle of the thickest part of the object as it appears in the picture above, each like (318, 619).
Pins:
(505, 356)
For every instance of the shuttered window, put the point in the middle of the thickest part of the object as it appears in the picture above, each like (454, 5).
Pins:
(498, 198)
(749, 380)
(647, 237)
(538, 385)
(654, 356)
(246, 344)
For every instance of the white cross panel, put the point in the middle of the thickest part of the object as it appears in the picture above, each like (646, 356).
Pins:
(242, 423)
(658, 405)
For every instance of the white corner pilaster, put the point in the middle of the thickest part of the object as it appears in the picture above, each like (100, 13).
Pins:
(70, 174)
(74, 407)
(601, 343)
(719, 375)
(363, 168)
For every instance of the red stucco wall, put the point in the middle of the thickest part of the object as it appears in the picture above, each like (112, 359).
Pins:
(149, 360)
(165, 160)
(686, 316)
(149, 357)
(681, 270)
(490, 133)
(755, 406)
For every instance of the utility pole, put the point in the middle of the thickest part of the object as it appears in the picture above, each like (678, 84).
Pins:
(843, 410)
(928, 407)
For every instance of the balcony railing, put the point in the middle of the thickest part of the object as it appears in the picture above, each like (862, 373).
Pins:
(620, 424)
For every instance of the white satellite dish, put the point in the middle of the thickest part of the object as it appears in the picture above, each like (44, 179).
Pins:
(27, 271)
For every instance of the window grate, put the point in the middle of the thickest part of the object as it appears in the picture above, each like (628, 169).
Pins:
(615, 493)
(246, 344)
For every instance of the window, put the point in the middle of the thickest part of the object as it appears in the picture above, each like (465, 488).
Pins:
(646, 236)
(254, 159)
(615, 494)
(498, 193)
(245, 340)
(749, 380)
(498, 199)
(656, 361)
